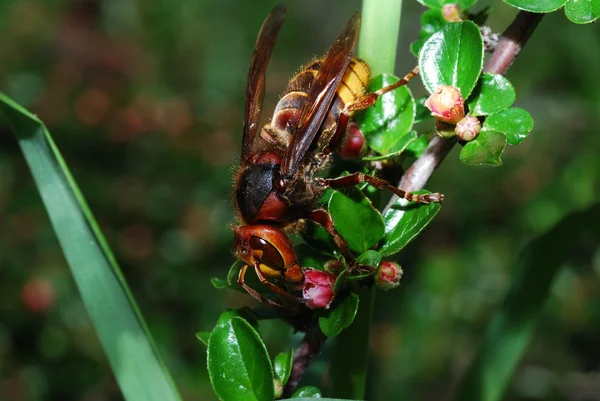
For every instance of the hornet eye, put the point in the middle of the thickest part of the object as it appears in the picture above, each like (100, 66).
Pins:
(270, 254)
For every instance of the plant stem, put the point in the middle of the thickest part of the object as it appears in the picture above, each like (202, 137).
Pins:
(379, 34)
(348, 369)
(377, 46)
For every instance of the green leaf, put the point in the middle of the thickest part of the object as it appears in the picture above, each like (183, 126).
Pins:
(492, 94)
(431, 22)
(403, 222)
(515, 123)
(369, 258)
(238, 363)
(219, 283)
(341, 315)
(234, 271)
(537, 6)
(437, 4)
(318, 238)
(138, 368)
(399, 147)
(309, 392)
(486, 149)
(596, 8)
(392, 117)
(283, 366)
(581, 11)
(356, 219)
(452, 56)
(510, 330)
(203, 336)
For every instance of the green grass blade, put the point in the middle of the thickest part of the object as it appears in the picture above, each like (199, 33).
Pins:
(509, 333)
(131, 352)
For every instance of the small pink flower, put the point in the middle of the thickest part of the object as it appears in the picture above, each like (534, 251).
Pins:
(446, 104)
(468, 128)
(388, 275)
(318, 288)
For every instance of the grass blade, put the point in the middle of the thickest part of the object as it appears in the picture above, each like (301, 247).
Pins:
(509, 333)
(131, 352)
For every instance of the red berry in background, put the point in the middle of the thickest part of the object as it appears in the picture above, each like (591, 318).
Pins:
(388, 275)
(318, 288)
(468, 128)
(354, 142)
(38, 294)
(446, 104)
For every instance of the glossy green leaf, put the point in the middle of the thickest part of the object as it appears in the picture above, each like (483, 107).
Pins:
(356, 219)
(515, 123)
(537, 6)
(309, 392)
(453, 56)
(512, 327)
(369, 258)
(492, 94)
(203, 336)
(403, 222)
(138, 368)
(437, 4)
(581, 11)
(282, 366)
(486, 149)
(238, 363)
(234, 271)
(219, 283)
(318, 238)
(596, 8)
(341, 315)
(431, 22)
(392, 117)
(399, 147)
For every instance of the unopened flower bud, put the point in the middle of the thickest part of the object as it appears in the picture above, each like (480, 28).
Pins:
(446, 104)
(388, 275)
(451, 13)
(354, 142)
(318, 288)
(468, 128)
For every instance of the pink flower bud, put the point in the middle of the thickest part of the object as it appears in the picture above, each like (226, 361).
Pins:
(451, 13)
(446, 104)
(318, 288)
(388, 275)
(353, 144)
(468, 128)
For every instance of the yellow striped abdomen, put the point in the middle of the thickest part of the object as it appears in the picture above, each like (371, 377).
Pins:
(288, 109)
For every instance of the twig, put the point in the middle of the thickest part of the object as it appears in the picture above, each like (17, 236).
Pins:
(512, 41)
(309, 347)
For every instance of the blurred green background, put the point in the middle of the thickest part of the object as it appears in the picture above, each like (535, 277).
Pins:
(145, 101)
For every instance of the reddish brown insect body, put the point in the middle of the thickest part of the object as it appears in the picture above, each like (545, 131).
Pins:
(276, 185)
